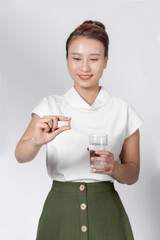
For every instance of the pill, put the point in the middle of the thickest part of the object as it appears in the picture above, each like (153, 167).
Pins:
(64, 123)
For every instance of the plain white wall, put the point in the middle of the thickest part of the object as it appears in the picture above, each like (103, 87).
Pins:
(32, 65)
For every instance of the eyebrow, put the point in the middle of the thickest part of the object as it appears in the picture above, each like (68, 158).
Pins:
(97, 54)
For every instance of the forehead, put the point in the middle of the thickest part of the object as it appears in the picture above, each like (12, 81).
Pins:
(83, 45)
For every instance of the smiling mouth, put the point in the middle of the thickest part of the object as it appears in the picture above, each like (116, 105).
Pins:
(85, 77)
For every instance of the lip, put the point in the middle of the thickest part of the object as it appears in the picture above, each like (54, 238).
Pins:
(80, 76)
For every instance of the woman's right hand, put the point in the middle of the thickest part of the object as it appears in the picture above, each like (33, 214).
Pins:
(46, 129)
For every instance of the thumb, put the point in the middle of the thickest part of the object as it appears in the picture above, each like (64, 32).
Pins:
(61, 129)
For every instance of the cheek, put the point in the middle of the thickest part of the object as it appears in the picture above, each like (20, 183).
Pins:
(72, 66)
(98, 68)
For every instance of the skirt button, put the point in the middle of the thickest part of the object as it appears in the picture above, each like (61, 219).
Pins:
(83, 206)
(82, 187)
(84, 228)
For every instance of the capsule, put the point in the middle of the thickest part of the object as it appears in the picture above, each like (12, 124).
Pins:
(64, 123)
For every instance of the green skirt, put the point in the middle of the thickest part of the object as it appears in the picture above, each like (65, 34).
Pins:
(83, 211)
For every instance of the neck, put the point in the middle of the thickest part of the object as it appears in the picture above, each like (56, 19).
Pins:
(88, 94)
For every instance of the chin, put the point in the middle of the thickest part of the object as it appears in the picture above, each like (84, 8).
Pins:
(86, 86)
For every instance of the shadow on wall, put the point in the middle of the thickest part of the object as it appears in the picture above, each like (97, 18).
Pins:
(150, 180)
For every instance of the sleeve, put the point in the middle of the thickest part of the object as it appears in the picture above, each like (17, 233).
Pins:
(134, 121)
(42, 108)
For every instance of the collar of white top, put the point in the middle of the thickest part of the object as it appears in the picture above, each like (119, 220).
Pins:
(74, 99)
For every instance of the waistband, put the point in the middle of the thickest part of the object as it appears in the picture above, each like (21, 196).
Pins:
(78, 186)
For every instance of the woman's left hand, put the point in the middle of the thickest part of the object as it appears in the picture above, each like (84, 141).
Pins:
(106, 156)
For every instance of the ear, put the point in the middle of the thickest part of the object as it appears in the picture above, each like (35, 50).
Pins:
(105, 62)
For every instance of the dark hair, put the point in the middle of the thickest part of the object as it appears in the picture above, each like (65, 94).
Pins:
(90, 29)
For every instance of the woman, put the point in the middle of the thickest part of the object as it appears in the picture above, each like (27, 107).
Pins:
(82, 203)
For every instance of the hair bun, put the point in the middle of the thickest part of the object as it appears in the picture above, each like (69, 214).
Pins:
(95, 23)
(90, 30)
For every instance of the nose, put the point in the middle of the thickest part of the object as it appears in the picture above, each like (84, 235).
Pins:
(85, 66)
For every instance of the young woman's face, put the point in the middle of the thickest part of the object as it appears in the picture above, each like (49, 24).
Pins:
(86, 62)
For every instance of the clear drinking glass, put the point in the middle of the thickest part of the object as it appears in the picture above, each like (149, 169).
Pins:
(97, 142)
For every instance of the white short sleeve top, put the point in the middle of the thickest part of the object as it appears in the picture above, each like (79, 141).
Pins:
(67, 158)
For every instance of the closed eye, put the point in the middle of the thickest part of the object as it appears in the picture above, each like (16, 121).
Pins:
(90, 59)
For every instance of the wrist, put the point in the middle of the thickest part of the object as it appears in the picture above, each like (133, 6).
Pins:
(116, 170)
(34, 144)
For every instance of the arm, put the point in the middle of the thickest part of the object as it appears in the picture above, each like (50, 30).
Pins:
(39, 132)
(128, 170)
(26, 150)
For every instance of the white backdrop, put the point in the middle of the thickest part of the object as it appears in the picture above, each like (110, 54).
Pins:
(32, 65)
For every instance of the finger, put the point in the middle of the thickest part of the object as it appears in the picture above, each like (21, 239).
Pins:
(110, 160)
(104, 152)
(102, 172)
(50, 123)
(55, 123)
(61, 129)
(98, 158)
(88, 149)
(107, 169)
(92, 171)
(45, 116)
(44, 126)
(60, 121)
(61, 118)
(99, 167)
(57, 116)
(47, 121)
